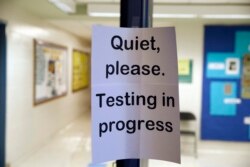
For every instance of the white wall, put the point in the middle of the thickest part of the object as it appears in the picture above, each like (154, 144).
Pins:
(28, 126)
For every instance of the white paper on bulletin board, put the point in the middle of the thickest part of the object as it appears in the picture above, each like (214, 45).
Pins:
(50, 71)
(135, 103)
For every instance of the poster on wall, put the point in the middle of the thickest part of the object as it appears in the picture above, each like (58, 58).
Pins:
(80, 65)
(245, 82)
(185, 67)
(226, 83)
(50, 70)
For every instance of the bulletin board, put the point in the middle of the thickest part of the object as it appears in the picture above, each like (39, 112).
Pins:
(226, 84)
(50, 70)
(80, 79)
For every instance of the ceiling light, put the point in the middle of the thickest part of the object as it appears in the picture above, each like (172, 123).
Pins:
(225, 16)
(67, 6)
(156, 15)
(164, 15)
(100, 14)
(177, 16)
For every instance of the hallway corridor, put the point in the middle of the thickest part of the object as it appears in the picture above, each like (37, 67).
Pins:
(71, 147)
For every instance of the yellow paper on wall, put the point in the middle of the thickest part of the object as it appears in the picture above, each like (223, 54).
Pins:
(184, 67)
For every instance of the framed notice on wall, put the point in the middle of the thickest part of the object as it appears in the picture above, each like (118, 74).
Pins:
(80, 65)
(50, 70)
(245, 80)
(185, 67)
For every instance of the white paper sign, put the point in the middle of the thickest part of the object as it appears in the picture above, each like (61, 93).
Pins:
(247, 120)
(135, 103)
(216, 66)
(232, 101)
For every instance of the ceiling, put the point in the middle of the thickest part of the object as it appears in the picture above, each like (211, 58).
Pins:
(171, 1)
(80, 22)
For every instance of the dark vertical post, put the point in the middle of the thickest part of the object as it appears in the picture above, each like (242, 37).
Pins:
(3, 70)
(135, 13)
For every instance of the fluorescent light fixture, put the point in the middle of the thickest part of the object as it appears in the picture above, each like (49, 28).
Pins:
(225, 16)
(67, 6)
(100, 14)
(156, 15)
(177, 16)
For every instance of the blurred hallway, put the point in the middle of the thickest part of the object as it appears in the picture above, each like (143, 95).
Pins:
(57, 131)
(71, 147)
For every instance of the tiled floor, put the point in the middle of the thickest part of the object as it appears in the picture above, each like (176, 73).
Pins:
(71, 147)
